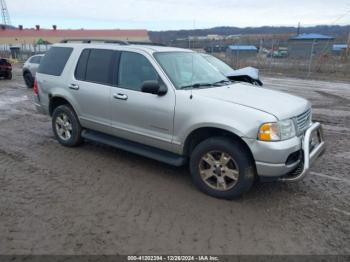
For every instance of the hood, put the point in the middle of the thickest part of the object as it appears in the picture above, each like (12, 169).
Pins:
(246, 71)
(279, 104)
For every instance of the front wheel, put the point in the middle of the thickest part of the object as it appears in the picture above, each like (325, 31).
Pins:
(66, 126)
(222, 167)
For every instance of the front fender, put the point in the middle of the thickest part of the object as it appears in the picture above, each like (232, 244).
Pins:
(199, 112)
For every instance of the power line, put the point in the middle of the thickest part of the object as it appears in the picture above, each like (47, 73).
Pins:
(340, 17)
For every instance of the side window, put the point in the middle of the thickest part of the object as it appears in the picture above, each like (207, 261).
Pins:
(33, 60)
(55, 60)
(99, 66)
(134, 69)
(80, 70)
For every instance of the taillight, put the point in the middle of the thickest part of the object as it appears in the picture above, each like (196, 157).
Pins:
(35, 87)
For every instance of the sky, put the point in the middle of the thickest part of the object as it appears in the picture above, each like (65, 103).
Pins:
(176, 14)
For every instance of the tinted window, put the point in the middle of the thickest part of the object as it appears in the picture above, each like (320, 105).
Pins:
(134, 69)
(55, 60)
(80, 70)
(99, 66)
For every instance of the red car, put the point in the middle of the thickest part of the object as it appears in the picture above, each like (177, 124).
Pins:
(5, 68)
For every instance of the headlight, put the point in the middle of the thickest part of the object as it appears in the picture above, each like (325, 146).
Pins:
(281, 130)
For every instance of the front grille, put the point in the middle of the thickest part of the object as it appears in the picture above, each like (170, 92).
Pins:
(304, 120)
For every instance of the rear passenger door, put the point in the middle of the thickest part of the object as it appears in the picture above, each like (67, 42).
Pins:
(91, 87)
(137, 116)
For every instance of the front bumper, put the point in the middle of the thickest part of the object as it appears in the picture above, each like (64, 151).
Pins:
(271, 157)
(310, 152)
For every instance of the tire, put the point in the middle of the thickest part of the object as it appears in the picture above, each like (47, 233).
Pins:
(9, 76)
(66, 126)
(28, 79)
(226, 181)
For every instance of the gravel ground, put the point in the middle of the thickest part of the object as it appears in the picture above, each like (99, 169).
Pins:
(98, 200)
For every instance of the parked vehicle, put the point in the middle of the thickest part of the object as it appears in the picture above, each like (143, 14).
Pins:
(247, 74)
(281, 52)
(5, 69)
(171, 105)
(30, 67)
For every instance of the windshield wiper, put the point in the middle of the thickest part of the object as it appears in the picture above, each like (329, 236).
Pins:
(218, 83)
(197, 85)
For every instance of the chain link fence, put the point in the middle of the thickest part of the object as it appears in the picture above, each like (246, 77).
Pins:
(277, 55)
(323, 67)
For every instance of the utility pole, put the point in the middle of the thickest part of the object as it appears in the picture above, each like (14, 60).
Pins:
(5, 13)
(311, 57)
(347, 53)
(272, 53)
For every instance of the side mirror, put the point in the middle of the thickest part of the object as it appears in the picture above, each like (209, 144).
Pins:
(153, 87)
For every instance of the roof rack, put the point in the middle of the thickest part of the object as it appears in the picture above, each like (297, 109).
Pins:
(145, 43)
(109, 41)
(89, 41)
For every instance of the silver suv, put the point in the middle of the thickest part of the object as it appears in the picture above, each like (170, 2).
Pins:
(30, 67)
(171, 105)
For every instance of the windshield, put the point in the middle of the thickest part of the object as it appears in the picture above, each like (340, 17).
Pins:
(220, 65)
(187, 69)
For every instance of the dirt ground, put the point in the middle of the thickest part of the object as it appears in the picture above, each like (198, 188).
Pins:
(98, 200)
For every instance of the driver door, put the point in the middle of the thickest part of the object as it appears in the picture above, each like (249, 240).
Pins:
(137, 116)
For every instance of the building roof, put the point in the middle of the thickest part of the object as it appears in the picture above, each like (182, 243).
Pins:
(72, 33)
(312, 37)
(243, 47)
(340, 47)
(8, 26)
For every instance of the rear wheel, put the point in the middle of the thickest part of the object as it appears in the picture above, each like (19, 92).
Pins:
(222, 168)
(66, 126)
(28, 79)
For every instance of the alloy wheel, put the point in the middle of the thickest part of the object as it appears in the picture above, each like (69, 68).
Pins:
(218, 170)
(63, 127)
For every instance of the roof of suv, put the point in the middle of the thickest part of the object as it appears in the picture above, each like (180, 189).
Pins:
(146, 48)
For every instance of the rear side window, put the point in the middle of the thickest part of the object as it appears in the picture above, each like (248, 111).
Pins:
(55, 60)
(96, 65)
(80, 70)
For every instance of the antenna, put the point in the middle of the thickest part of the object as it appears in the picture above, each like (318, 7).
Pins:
(5, 13)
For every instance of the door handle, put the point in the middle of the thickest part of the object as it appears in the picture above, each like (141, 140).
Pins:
(73, 86)
(120, 96)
